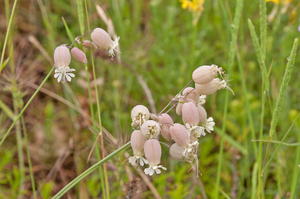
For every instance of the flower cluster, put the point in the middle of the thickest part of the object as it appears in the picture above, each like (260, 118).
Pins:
(183, 137)
(62, 56)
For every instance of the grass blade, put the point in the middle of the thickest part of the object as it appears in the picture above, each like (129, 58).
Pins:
(277, 148)
(88, 171)
(80, 15)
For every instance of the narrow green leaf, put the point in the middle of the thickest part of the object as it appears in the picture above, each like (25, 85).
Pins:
(283, 87)
(277, 148)
(70, 35)
(80, 15)
(232, 141)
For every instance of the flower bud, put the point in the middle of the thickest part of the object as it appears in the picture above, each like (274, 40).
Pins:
(165, 121)
(62, 56)
(102, 39)
(179, 134)
(211, 87)
(202, 114)
(139, 114)
(180, 103)
(191, 93)
(87, 44)
(79, 55)
(190, 114)
(176, 152)
(137, 142)
(179, 108)
(205, 74)
(150, 129)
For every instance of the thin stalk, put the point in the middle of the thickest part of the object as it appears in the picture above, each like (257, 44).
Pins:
(232, 51)
(29, 159)
(88, 171)
(296, 184)
(25, 107)
(98, 111)
(20, 149)
(296, 167)
(7, 33)
(247, 104)
(277, 148)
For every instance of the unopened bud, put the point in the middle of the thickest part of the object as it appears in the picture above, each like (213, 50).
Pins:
(205, 74)
(62, 56)
(179, 134)
(166, 122)
(202, 114)
(87, 44)
(190, 114)
(79, 55)
(191, 93)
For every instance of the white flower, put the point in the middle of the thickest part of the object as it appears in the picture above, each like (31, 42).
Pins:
(202, 99)
(195, 131)
(113, 47)
(151, 169)
(190, 152)
(63, 73)
(209, 126)
(139, 160)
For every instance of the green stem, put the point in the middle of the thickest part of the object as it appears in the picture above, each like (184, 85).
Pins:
(231, 55)
(88, 171)
(105, 193)
(25, 107)
(7, 33)
(20, 149)
(29, 159)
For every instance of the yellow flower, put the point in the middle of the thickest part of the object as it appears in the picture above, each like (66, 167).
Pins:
(193, 6)
(279, 1)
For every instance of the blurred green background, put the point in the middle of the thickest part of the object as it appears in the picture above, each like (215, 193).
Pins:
(159, 41)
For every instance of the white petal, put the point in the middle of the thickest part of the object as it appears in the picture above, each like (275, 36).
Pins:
(141, 162)
(71, 74)
(68, 77)
(157, 171)
(56, 75)
(59, 77)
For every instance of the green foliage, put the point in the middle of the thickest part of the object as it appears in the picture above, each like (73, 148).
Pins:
(160, 42)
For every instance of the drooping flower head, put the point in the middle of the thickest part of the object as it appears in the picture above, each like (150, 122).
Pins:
(150, 129)
(139, 114)
(102, 39)
(137, 143)
(152, 150)
(62, 59)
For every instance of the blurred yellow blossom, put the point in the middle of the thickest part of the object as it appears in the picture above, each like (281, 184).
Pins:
(279, 1)
(193, 5)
